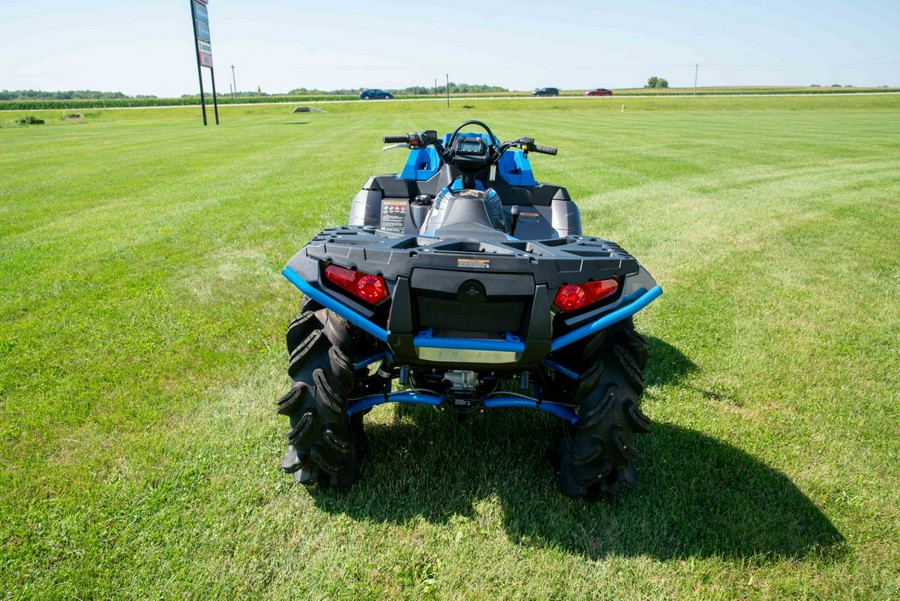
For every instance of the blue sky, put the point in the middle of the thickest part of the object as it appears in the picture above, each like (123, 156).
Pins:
(146, 47)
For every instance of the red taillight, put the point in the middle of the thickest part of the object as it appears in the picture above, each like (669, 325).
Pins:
(570, 298)
(576, 296)
(369, 288)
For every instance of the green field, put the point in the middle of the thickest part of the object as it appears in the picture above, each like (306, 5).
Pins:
(142, 314)
(224, 99)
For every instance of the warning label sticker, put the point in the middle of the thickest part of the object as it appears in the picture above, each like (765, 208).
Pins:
(393, 215)
(474, 263)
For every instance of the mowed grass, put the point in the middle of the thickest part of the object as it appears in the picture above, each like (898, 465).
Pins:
(142, 314)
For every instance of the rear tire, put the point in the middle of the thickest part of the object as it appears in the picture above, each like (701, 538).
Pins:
(325, 446)
(596, 456)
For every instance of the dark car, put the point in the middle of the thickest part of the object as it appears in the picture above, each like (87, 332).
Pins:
(599, 92)
(546, 92)
(375, 95)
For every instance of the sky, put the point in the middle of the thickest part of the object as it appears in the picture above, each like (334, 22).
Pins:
(147, 46)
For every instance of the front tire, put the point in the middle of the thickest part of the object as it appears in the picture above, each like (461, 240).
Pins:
(596, 455)
(325, 446)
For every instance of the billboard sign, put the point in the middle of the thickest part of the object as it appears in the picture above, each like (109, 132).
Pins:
(200, 12)
(203, 47)
(205, 50)
(201, 32)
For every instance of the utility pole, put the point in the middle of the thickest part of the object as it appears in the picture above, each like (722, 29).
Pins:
(435, 88)
(696, 70)
(234, 95)
(448, 90)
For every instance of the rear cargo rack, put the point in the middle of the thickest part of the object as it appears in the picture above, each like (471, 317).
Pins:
(555, 262)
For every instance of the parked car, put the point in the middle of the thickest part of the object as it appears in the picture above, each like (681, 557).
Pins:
(599, 92)
(546, 92)
(375, 95)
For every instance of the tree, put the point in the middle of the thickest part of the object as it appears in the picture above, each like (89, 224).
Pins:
(657, 82)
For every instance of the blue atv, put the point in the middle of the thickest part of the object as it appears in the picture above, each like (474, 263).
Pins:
(471, 286)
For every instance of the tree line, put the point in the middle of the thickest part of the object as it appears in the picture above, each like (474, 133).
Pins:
(64, 95)
(455, 88)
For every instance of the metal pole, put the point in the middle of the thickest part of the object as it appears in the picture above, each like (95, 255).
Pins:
(212, 75)
(435, 88)
(197, 54)
(234, 80)
(448, 90)
(696, 69)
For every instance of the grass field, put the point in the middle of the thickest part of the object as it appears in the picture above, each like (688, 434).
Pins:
(224, 99)
(141, 350)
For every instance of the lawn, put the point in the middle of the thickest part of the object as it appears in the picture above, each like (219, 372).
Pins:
(142, 314)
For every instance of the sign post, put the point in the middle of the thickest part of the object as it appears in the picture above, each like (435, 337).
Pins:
(203, 48)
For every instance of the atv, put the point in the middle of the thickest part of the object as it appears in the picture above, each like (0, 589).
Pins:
(469, 285)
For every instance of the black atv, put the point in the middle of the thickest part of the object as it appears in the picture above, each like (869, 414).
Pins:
(464, 279)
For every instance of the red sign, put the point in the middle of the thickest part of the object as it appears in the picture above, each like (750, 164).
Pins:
(205, 51)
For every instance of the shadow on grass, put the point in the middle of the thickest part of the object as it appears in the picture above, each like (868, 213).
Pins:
(667, 364)
(698, 496)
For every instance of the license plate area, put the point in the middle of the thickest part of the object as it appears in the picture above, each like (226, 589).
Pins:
(453, 355)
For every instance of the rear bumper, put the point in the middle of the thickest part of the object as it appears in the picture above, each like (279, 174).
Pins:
(471, 304)
(424, 349)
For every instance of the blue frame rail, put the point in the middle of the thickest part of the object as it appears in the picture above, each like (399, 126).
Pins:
(607, 320)
(511, 344)
(574, 375)
(495, 402)
(330, 303)
(404, 396)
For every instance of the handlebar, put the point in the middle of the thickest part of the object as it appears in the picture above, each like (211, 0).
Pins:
(418, 140)
(528, 145)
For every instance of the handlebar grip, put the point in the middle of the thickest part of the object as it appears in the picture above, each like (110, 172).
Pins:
(396, 139)
(544, 149)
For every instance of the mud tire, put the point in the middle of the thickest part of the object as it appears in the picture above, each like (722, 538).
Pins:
(595, 457)
(325, 447)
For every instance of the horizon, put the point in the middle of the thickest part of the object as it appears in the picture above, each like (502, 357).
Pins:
(339, 91)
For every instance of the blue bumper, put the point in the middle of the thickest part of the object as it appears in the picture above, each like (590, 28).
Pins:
(634, 303)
